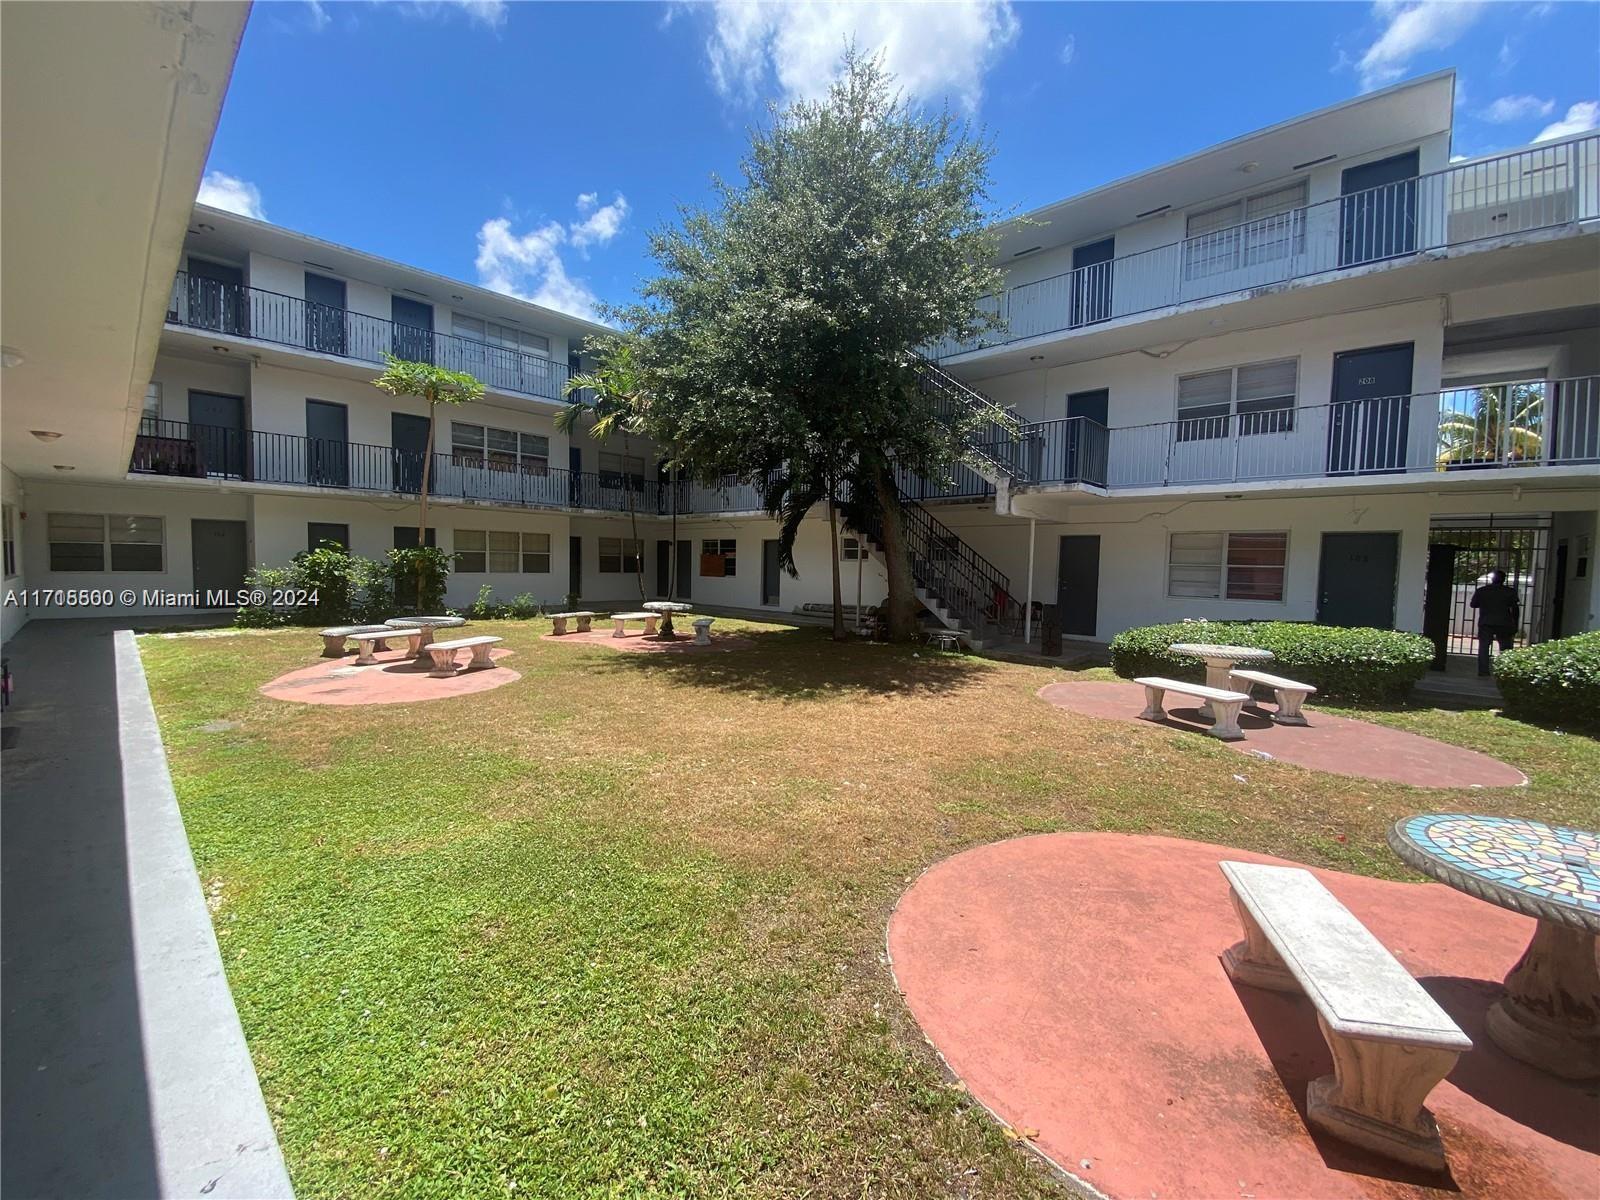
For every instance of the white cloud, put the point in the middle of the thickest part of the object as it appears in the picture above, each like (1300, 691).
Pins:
(1409, 29)
(933, 49)
(1580, 118)
(319, 15)
(529, 265)
(489, 13)
(1069, 50)
(232, 194)
(1517, 108)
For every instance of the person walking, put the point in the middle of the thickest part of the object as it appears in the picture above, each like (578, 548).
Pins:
(1496, 603)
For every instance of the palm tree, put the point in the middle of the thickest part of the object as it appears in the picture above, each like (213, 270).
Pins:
(614, 404)
(1506, 421)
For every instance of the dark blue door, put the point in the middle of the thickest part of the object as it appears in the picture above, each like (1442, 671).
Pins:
(1368, 422)
(413, 329)
(409, 437)
(325, 314)
(1085, 444)
(216, 426)
(1358, 573)
(327, 444)
(1378, 216)
(217, 298)
(1091, 282)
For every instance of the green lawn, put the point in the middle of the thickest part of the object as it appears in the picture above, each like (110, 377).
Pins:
(617, 928)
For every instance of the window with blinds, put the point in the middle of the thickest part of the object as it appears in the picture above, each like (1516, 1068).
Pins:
(1232, 566)
(620, 556)
(1251, 399)
(500, 337)
(88, 541)
(1246, 232)
(502, 449)
(618, 470)
(502, 552)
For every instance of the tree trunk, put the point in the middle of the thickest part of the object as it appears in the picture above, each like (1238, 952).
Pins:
(422, 519)
(902, 601)
(833, 545)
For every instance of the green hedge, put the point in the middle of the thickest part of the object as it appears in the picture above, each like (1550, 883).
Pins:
(1555, 681)
(1352, 664)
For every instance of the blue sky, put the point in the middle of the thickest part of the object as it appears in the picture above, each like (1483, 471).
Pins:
(530, 147)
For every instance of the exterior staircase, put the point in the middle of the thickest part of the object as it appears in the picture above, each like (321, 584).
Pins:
(995, 447)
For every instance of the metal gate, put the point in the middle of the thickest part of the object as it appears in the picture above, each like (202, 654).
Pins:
(1518, 545)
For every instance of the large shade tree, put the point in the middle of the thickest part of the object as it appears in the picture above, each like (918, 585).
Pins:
(781, 336)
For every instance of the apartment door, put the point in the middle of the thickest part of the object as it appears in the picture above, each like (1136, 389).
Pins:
(327, 444)
(405, 586)
(663, 567)
(220, 559)
(575, 565)
(1091, 282)
(771, 573)
(325, 314)
(413, 329)
(575, 475)
(1368, 422)
(1084, 448)
(1357, 578)
(1437, 595)
(1078, 585)
(685, 579)
(1378, 215)
(216, 426)
(217, 298)
(408, 435)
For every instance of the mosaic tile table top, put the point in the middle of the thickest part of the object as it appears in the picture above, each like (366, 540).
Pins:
(1546, 871)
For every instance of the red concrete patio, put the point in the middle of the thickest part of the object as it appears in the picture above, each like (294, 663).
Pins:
(1072, 982)
(1339, 745)
(394, 678)
(647, 643)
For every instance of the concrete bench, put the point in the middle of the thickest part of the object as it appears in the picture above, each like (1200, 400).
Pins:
(333, 640)
(1289, 694)
(1391, 1043)
(619, 622)
(582, 618)
(1225, 705)
(702, 630)
(444, 654)
(373, 639)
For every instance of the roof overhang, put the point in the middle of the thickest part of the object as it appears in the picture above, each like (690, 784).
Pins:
(1393, 116)
(108, 114)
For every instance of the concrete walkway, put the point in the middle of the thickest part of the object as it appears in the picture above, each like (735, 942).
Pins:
(125, 1072)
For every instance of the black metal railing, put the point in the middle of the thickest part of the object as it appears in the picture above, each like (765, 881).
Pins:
(263, 316)
(994, 440)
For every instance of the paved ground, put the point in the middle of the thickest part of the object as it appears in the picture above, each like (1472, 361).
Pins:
(1330, 743)
(1072, 981)
(395, 678)
(636, 641)
(125, 1072)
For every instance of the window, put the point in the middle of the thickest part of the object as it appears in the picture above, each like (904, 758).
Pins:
(499, 449)
(852, 550)
(504, 337)
(86, 541)
(614, 467)
(318, 532)
(1233, 566)
(1261, 394)
(620, 556)
(502, 552)
(152, 406)
(719, 558)
(1260, 228)
(8, 533)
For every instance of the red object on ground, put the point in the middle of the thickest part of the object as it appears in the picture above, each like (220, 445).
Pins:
(646, 642)
(394, 679)
(1072, 981)
(1339, 745)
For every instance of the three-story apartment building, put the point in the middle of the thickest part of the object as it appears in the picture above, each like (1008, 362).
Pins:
(1324, 371)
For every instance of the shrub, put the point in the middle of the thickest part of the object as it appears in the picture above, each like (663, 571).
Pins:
(325, 572)
(1555, 681)
(420, 574)
(267, 582)
(483, 608)
(524, 607)
(1352, 664)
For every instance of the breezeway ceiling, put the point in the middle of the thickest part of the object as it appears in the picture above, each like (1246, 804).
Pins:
(106, 117)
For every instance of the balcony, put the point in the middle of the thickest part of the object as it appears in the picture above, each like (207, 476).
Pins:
(1542, 188)
(1516, 425)
(262, 316)
(179, 449)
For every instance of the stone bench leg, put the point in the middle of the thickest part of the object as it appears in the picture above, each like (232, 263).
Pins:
(1153, 697)
(560, 626)
(1374, 1098)
(1226, 722)
(1254, 961)
(1289, 702)
(333, 647)
(418, 641)
(444, 663)
(583, 624)
(364, 653)
(618, 628)
(702, 635)
(480, 658)
(649, 626)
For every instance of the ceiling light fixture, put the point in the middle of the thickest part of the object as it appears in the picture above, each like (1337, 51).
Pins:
(222, 350)
(204, 228)
(45, 435)
(1249, 168)
(10, 356)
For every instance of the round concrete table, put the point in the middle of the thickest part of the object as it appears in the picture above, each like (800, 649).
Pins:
(666, 608)
(427, 625)
(1550, 1014)
(1219, 661)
